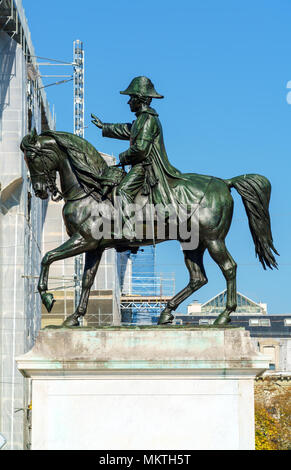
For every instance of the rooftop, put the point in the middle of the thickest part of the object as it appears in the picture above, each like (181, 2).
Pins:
(216, 305)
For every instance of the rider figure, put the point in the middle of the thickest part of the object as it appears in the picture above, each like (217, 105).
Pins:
(151, 170)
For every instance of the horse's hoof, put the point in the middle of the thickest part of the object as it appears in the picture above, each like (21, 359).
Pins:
(72, 320)
(165, 319)
(222, 319)
(48, 301)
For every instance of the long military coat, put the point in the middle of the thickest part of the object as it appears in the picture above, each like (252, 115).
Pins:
(147, 147)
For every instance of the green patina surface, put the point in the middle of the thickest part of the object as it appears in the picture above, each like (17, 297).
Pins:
(143, 348)
(84, 172)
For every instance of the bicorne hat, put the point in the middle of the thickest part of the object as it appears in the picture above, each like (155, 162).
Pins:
(141, 86)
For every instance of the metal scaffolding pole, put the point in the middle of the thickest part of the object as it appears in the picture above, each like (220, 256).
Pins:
(78, 81)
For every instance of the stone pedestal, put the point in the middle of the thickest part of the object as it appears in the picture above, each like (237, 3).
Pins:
(144, 388)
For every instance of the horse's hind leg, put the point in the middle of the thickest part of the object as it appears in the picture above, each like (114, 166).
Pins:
(221, 256)
(92, 261)
(194, 264)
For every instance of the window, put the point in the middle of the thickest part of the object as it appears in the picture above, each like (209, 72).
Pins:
(287, 322)
(259, 322)
(205, 321)
(254, 322)
(272, 366)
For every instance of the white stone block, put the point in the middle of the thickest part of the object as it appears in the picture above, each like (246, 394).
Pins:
(143, 388)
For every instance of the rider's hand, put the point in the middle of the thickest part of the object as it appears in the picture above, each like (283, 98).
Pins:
(122, 159)
(96, 121)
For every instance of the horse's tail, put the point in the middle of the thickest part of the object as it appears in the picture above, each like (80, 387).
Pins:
(255, 191)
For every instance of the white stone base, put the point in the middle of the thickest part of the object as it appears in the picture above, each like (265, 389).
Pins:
(84, 398)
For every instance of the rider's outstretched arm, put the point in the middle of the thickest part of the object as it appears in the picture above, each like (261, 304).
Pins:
(117, 131)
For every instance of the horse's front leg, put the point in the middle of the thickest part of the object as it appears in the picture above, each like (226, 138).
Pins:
(46, 297)
(92, 260)
(72, 247)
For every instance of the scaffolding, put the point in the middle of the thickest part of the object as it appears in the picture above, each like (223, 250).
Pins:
(79, 88)
(23, 105)
(144, 292)
(79, 129)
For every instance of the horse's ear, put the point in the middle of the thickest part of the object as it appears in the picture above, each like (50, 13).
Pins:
(33, 135)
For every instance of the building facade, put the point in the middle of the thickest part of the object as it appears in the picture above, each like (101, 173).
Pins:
(23, 106)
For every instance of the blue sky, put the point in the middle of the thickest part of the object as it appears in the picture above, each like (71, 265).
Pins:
(223, 68)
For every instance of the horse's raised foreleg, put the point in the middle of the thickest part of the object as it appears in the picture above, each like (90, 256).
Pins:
(194, 264)
(72, 247)
(92, 260)
(221, 256)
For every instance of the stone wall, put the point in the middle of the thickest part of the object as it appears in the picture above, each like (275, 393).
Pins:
(273, 412)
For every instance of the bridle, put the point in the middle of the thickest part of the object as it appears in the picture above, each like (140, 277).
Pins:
(56, 194)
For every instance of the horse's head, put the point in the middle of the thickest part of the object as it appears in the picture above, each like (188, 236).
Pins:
(41, 159)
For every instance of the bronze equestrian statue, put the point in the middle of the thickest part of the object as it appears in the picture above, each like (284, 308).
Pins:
(87, 181)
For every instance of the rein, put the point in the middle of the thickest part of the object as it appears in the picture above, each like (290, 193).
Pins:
(56, 194)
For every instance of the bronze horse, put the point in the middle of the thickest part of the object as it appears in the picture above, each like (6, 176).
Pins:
(76, 160)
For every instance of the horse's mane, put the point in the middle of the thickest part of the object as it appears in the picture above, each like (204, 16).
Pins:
(86, 162)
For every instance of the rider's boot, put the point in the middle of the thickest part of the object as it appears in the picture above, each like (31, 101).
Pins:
(123, 202)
